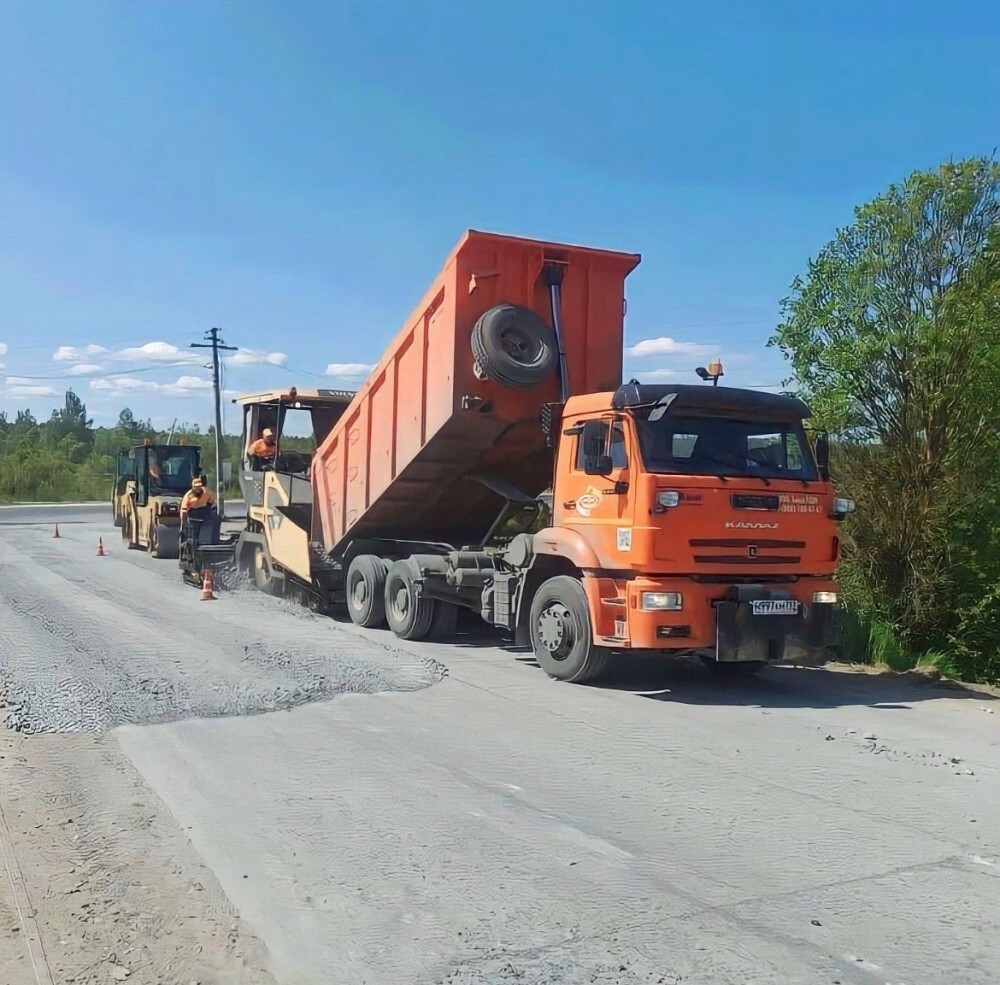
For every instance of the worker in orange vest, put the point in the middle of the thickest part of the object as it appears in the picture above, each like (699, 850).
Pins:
(265, 446)
(198, 505)
(198, 497)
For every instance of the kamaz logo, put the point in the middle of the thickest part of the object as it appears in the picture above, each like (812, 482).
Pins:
(746, 525)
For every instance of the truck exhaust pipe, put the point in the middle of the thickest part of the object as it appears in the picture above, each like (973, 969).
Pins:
(553, 278)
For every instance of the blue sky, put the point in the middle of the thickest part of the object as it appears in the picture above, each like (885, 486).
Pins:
(295, 172)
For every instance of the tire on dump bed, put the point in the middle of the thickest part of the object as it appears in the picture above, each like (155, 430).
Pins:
(513, 346)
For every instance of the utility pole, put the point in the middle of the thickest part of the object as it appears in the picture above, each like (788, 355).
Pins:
(215, 343)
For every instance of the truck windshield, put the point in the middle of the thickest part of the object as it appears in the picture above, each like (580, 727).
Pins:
(171, 469)
(724, 446)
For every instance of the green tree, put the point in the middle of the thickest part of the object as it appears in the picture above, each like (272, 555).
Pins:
(894, 338)
(130, 428)
(71, 420)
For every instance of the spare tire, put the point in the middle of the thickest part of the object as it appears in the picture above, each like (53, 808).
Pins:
(513, 346)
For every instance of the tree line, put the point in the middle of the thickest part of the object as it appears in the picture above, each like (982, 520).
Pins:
(893, 336)
(67, 459)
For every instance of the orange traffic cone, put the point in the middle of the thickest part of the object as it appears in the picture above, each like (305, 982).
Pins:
(206, 588)
(57, 535)
(100, 548)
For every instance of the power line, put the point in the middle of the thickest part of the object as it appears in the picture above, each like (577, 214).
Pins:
(101, 376)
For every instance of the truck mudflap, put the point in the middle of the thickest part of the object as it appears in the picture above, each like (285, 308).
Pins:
(754, 624)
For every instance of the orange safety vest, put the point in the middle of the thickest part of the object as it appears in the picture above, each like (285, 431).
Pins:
(190, 501)
(261, 449)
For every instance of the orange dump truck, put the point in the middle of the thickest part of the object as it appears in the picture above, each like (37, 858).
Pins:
(494, 462)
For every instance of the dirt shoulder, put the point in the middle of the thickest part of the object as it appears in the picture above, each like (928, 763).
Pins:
(99, 884)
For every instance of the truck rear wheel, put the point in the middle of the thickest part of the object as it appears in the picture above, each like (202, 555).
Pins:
(513, 346)
(561, 636)
(409, 617)
(366, 591)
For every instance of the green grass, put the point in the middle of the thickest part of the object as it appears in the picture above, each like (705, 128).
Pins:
(877, 644)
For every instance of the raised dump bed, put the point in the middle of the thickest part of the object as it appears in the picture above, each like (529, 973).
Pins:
(461, 389)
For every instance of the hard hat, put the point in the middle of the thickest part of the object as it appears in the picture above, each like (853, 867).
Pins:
(268, 433)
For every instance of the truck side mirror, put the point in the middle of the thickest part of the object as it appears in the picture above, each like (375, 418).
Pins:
(823, 455)
(599, 465)
(596, 460)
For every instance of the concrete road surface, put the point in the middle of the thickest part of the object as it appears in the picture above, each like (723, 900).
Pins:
(359, 810)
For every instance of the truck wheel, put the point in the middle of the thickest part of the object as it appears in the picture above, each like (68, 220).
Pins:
(409, 617)
(513, 346)
(366, 591)
(445, 621)
(560, 632)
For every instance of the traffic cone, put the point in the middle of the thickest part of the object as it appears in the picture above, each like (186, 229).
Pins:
(57, 535)
(206, 587)
(100, 548)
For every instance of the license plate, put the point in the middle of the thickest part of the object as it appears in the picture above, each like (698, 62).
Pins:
(774, 607)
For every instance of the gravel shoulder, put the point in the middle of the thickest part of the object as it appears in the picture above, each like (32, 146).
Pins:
(100, 884)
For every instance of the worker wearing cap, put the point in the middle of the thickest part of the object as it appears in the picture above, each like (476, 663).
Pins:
(199, 497)
(265, 446)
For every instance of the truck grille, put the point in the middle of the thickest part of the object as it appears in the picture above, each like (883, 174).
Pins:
(749, 551)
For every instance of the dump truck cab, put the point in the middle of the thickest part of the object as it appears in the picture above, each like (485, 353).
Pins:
(276, 486)
(150, 482)
(696, 519)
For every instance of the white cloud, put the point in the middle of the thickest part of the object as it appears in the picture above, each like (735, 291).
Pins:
(3, 348)
(186, 384)
(149, 352)
(123, 383)
(661, 374)
(158, 352)
(255, 357)
(667, 346)
(17, 387)
(182, 387)
(348, 371)
(71, 354)
(84, 369)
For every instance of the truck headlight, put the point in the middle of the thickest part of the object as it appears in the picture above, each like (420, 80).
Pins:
(828, 598)
(668, 500)
(662, 601)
